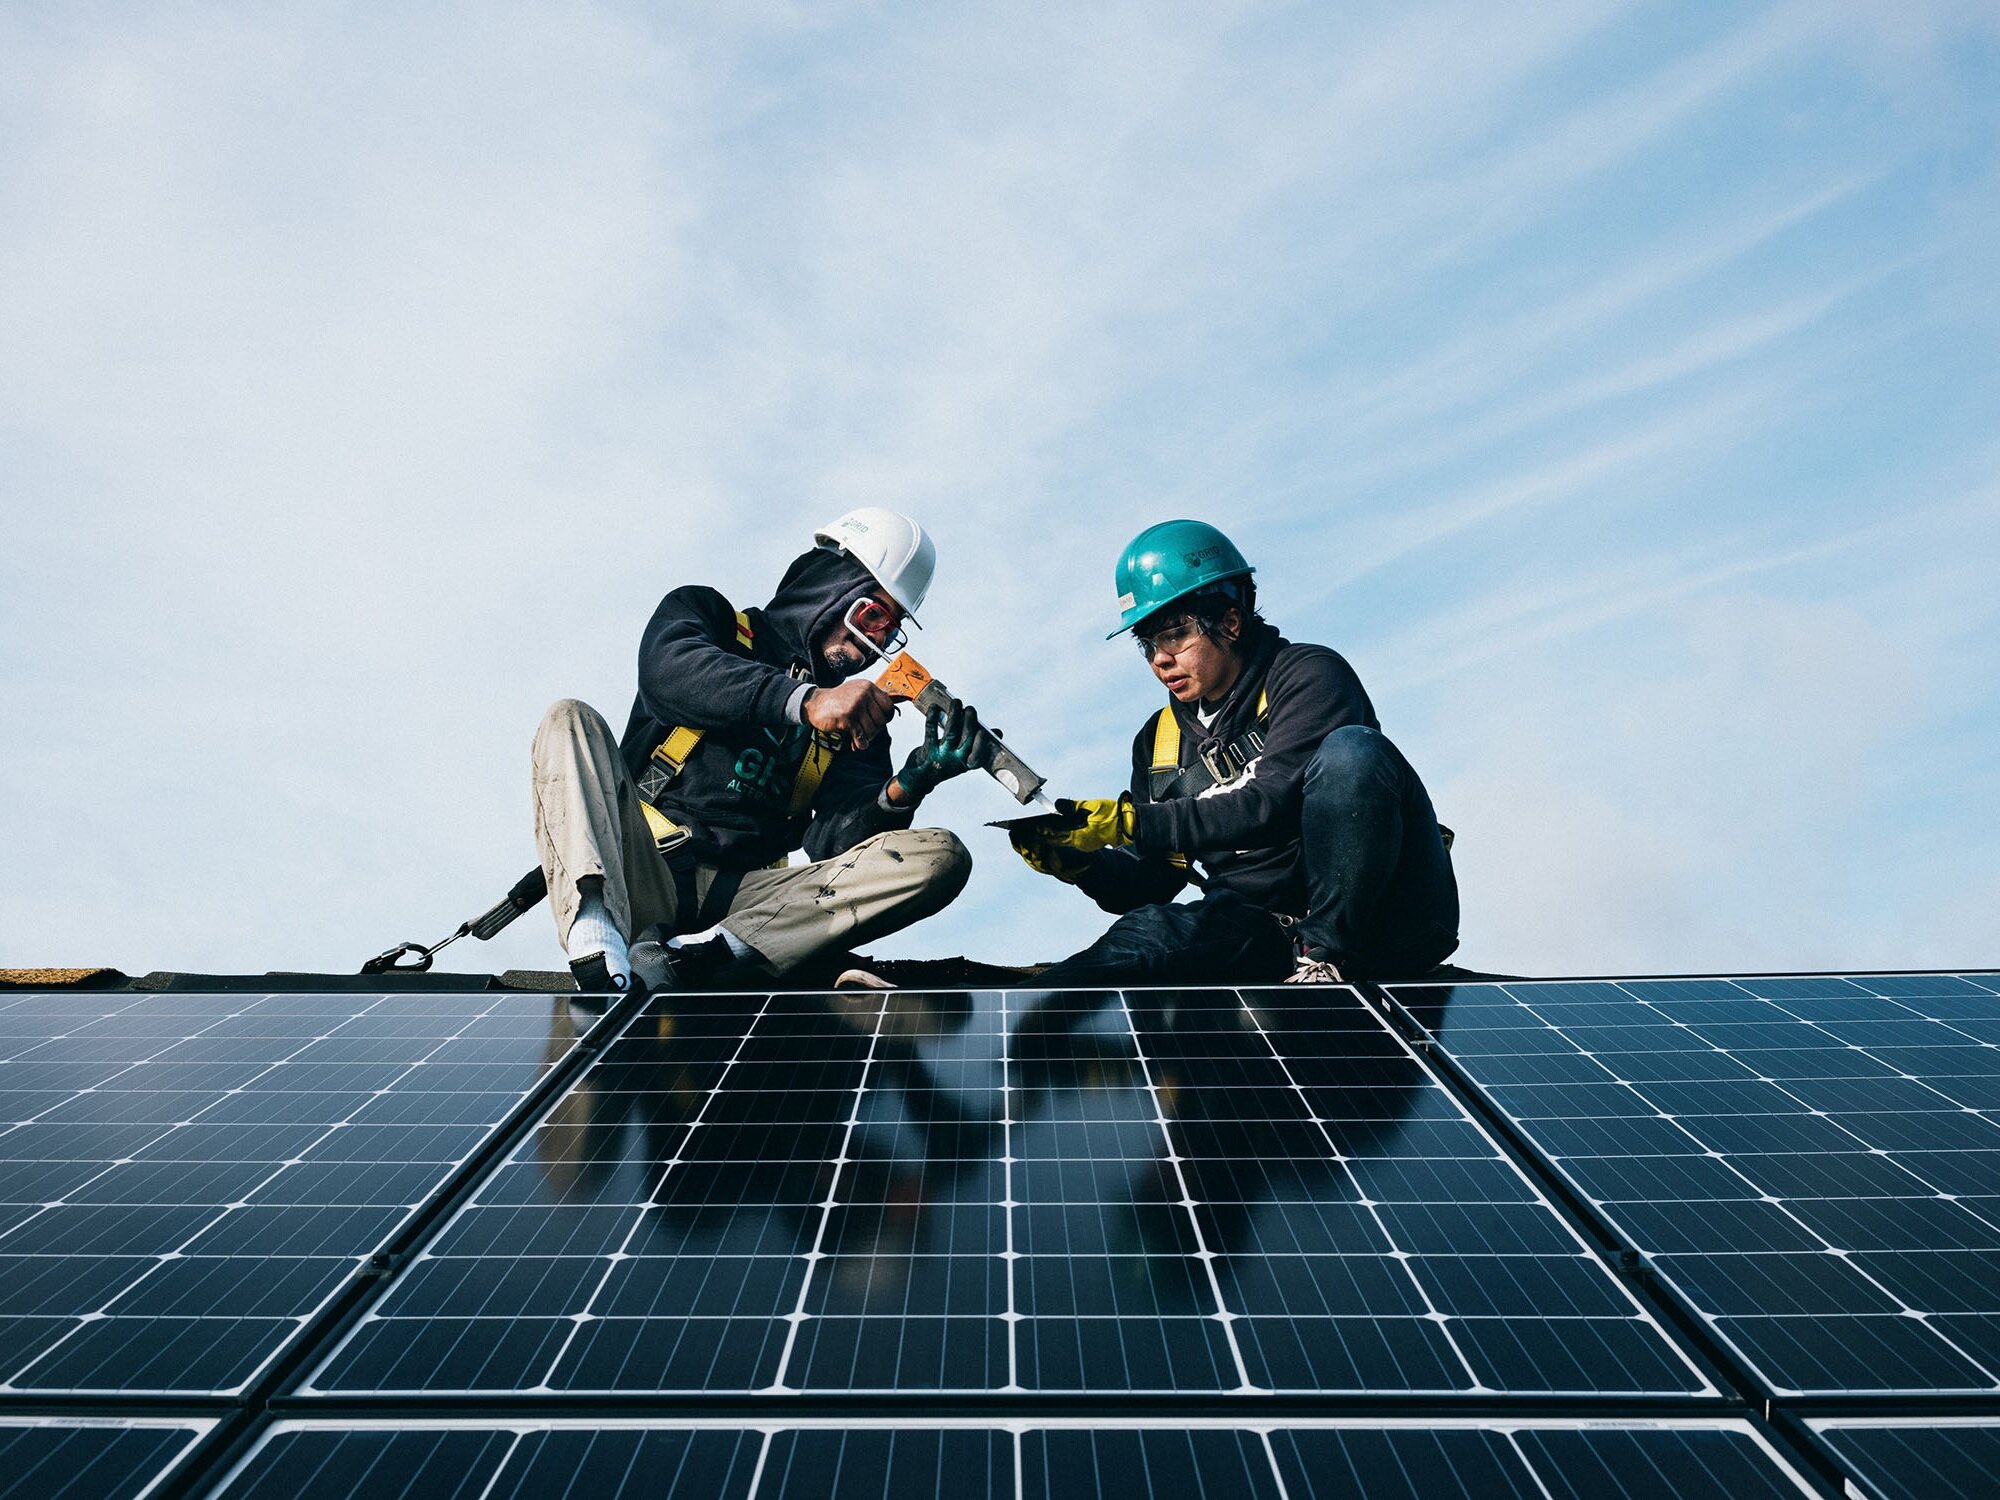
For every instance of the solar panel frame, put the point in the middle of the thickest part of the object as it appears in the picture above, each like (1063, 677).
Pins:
(1046, 1456)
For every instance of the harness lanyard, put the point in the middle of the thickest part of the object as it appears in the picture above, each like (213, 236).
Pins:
(665, 763)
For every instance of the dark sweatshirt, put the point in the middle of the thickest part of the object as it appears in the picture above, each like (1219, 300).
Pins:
(734, 789)
(1245, 835)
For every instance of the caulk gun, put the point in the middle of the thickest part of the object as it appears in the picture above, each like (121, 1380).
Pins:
(906, 678)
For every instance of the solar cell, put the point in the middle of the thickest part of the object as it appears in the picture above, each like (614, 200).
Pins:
(1147, 1459)
(190, 1178)
(1805, 1161)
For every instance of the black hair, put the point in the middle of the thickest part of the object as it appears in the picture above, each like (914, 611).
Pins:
(1207, 606)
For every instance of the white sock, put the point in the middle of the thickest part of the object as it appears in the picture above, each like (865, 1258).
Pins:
(738, 948)
(593, 931)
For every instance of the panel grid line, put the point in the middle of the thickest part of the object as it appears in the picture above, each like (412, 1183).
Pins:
(1009, 1256)
(763, 1457)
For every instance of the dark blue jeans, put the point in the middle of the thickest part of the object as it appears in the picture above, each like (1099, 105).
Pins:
(1382, 900)
(1220, 939)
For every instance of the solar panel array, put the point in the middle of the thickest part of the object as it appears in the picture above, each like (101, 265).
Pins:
(1633, 1238)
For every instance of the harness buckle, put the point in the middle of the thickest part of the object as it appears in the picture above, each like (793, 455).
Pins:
(1220, 764)
(667, 834)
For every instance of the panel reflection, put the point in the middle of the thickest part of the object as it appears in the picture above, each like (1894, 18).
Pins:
(1157, 1191)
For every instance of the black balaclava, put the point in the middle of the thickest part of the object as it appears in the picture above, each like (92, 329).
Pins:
(815, 592)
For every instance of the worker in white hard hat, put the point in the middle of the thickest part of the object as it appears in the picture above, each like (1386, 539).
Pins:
(751, 736)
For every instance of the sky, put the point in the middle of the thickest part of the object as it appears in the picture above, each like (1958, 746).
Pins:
(1616, 386)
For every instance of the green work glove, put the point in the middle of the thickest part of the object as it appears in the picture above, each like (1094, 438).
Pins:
(1097, 823)
(950, 733)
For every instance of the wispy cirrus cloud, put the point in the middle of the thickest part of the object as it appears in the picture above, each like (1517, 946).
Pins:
(365, 380)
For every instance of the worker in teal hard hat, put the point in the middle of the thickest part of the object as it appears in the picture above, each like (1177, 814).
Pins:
(1265, 779)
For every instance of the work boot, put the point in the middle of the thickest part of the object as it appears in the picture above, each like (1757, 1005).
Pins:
(1316, 971)
(712, 966)
(859, 978)
(652, 966)
(595, 981)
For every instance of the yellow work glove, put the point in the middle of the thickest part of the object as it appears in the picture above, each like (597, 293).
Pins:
(1045, 857)
(1096, 823)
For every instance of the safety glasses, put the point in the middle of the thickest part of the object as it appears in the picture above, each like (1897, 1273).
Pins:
(1172, 639)
(877, 626)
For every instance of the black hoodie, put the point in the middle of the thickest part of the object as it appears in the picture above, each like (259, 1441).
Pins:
(1245, 835)
(734, 789)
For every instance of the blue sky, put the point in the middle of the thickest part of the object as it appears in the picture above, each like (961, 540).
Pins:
(1614, 385)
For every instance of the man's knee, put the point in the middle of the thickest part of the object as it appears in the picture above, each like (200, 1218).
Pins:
(1147, 926)
(570, 718)
(1352, 756)
(936, 859)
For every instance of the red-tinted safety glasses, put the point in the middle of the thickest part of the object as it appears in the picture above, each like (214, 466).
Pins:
(877, 626)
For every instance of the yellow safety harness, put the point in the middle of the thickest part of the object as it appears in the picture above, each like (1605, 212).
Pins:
(671, 756)
(1215, 767)
(1167, 777)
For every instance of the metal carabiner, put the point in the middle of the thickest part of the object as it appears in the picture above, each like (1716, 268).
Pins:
(387, 962)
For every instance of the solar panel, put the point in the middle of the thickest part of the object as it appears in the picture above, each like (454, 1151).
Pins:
(1915, 1458)
(1170, 1193)
(188, 1179)
(70, 1458)
(865, 1459)
(1812, 1164)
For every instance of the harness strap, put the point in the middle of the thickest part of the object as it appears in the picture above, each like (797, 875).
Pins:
(671, 755)
(812, 770)
(1217, 767)
(1166, 747)
(1167, 778)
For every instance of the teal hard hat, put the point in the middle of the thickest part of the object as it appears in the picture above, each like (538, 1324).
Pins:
(1169, 561)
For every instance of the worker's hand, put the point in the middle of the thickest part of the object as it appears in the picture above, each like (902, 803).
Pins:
(950, 733)
(1046, 857)
(856, 709)
(1095, 823)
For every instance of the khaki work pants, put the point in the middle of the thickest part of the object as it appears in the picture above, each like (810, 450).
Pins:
(588, 823)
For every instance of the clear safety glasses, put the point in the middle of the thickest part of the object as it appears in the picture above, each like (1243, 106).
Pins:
(1172, 639)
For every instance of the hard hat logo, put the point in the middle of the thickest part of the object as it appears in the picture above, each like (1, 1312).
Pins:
(896, 551)
(1170, 561)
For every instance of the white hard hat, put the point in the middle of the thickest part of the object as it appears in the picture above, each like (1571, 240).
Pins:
(889, 545)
